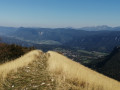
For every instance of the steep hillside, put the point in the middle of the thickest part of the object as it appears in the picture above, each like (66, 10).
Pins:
(103, 41)
(72, 75)
(110, 65)
(51, 71)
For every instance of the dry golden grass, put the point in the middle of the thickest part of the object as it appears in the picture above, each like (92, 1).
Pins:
(26, 73)
(20, 62)
(51, 71)
(71, 75)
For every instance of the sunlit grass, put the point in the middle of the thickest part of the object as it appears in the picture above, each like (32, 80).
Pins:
(20, 62)
(73, 75)
(51, 71)
(26, 73)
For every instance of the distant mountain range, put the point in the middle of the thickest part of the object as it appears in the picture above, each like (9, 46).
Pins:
(103, 27)
(100, 38)
(7, 30)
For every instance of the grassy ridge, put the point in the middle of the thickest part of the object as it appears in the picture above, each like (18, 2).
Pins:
(75, 76)
(18, 63)
(51, 71)
(27, 73)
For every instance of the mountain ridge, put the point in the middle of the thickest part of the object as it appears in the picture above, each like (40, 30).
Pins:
(52, 71)
(102, 41)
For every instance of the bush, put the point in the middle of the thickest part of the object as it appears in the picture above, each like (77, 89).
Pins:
(10, 52)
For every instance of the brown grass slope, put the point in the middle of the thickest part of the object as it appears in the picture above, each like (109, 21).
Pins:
(74, 76)
(51, 71)
(26, 73)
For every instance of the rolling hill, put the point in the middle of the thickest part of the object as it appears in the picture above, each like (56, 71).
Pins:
(103, 40)
(51, 71)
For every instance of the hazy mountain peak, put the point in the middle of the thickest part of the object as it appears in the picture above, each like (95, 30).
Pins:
(97, 28)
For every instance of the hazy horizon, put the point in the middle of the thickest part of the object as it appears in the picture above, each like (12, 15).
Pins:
(59, 27)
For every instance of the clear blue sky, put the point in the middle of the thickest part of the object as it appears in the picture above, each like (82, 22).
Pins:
(59, 13)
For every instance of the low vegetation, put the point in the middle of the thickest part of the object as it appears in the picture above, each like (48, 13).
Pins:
(10, 52)
(51, 71)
